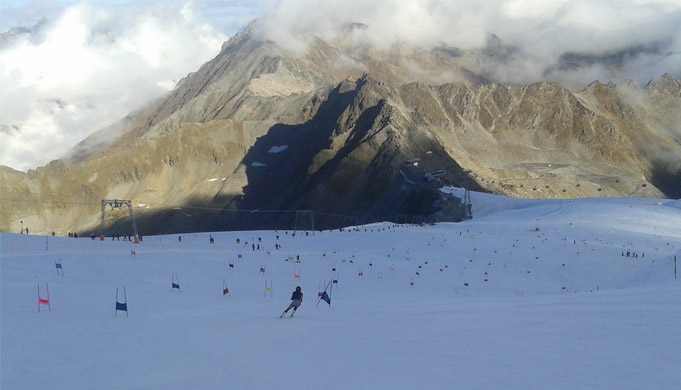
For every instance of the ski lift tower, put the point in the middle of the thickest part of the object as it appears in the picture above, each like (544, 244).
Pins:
(467, 205)
(118, 204)
(303, 214)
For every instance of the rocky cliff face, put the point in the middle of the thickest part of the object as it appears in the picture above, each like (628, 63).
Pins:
(349, 133)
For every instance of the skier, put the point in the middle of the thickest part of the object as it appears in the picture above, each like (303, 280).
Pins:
(296, 301)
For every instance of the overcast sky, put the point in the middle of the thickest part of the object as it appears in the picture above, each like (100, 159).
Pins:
(94, 62)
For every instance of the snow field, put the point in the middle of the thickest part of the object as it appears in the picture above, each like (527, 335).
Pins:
(614, 326)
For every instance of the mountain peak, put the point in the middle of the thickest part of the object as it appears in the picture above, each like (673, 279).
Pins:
(361, 131)
(666, 81)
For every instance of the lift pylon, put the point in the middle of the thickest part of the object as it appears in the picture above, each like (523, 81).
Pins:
(117, 204)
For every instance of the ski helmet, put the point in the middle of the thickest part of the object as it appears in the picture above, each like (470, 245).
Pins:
(298, 288)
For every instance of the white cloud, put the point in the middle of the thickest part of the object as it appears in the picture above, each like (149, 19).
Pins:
(542, 30)
(89, 66)
(94, 62)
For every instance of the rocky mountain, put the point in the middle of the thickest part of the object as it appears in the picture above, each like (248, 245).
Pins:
(350, 133)
(33, 32)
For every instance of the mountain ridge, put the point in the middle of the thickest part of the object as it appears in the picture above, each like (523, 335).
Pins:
(358, 131)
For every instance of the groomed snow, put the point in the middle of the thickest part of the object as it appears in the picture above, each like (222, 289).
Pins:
(563, 307)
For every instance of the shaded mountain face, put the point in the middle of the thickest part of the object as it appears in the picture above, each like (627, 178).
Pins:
(350, 134)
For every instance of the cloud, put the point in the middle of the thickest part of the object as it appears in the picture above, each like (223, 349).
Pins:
(89, 66)
(613, 40)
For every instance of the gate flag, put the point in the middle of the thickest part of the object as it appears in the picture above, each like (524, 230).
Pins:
(325, 297)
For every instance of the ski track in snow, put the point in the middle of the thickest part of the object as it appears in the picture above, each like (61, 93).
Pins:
(561, 307)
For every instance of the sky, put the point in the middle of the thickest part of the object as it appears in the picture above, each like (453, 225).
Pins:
(93, 62)
(527, 295)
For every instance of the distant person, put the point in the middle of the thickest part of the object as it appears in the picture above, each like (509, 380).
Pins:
(179, 238)
(212, 240)
(296, 301)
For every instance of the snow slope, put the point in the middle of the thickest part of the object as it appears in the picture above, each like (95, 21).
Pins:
(551, 302)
